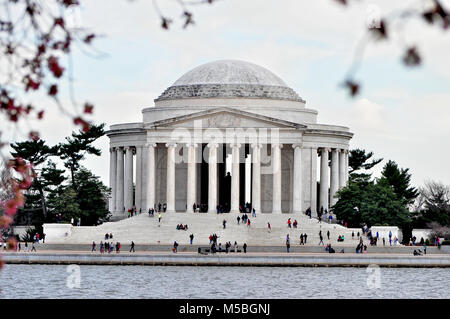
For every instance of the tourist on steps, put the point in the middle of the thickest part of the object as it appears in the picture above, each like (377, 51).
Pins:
(132, 247)
(288, 243)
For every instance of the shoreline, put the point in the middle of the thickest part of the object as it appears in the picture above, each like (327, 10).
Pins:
(250, 259)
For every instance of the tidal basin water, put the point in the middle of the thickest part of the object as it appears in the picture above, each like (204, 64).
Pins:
(59, 281)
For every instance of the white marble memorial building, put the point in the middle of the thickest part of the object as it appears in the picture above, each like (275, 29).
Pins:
(226, 133)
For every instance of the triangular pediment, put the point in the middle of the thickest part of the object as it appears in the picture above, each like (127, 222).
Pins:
(225, 118)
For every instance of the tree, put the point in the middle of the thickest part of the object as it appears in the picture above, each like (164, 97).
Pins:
(372, 204)
(36, 152)
(434, 204)
(399, 179)
(359, 160)
(65, 203)
(91, 197)
(74, 150)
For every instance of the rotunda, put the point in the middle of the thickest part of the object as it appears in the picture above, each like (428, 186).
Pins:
(225, 134)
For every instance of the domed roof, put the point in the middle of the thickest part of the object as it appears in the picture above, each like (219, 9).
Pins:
(230, 72)
(229, 79)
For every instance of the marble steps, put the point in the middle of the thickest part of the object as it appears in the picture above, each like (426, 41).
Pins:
(145, 229)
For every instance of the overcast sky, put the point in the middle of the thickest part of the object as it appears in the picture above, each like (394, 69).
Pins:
(402, 113)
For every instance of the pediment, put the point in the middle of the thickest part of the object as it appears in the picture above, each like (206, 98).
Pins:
(225, 118)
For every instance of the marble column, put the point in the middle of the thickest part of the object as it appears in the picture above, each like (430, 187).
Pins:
(212, 176)
(346, 167)
(191, 177)
(171, 177)
(235, 177)
(276, 166)
(324, 176)
(112, 178)
(119, 181)
(151, 194)
(128, 188)
(341, 168)
(297, 187)
(334, 183)
(138, 195)
(256, 179)
(313, 179)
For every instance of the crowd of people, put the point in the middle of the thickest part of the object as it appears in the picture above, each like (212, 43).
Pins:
(109, 246)
(200, 208)
(182, 227)
(133, 211)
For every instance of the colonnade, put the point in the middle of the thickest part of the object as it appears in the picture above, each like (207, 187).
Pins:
(121, 176)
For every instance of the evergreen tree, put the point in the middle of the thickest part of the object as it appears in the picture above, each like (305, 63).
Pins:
(399, 179)
(73, 151)
(358, 160)
(370, 203)
(36, 152)
(92, 197)
(65, 203)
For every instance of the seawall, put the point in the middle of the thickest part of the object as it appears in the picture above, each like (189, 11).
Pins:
(233, 259)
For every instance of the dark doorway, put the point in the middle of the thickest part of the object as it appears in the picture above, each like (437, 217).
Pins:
(224, 181)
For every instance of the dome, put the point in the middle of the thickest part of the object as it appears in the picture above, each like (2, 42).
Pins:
(229, 79)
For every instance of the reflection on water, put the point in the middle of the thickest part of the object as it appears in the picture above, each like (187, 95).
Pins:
(53, 281)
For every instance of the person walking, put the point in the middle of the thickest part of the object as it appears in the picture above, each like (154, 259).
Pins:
(191, 237)
(93, 246)
(33, 246)
(175, 246)
(304, 238)
(321, 238)
(288, 243)
(248, 223)
(289, 223)
(224, 223)
(132, 247)
(159, 217)
(268, 227)
(245, 248)
(238, 219)
(328, 235)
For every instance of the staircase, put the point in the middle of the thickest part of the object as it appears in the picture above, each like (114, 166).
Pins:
(143, 229)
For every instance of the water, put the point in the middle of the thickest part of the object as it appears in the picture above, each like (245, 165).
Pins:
(52, 281)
